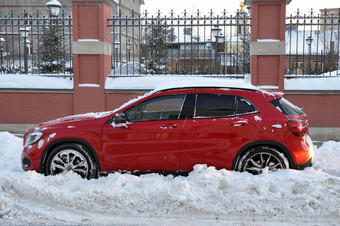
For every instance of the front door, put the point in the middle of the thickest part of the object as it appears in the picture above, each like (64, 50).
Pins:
(150, 140)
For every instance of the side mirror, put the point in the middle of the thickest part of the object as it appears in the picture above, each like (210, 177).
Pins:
(119, 118)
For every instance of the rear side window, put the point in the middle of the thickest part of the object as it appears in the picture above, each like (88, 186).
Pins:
(215, 105)
(244, 107)
(286, 107)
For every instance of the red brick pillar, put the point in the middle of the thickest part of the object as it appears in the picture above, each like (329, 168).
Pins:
(267, 47)
(91, 49)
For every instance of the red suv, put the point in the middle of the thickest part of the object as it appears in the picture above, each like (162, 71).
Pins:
(172, 130)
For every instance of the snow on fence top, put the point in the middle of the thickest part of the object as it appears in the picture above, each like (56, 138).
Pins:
(162, 82)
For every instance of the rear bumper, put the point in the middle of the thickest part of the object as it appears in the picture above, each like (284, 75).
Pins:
(309, 163)
(305, 156)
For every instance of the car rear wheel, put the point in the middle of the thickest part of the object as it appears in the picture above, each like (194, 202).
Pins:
(71, 157)
(262, 159)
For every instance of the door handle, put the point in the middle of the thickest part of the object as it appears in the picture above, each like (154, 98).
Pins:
(239, 123)
(173, 126)
(168, 126)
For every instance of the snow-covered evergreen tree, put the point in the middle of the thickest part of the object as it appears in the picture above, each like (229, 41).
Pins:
(244, 55)
(51, 58)
(154, 59)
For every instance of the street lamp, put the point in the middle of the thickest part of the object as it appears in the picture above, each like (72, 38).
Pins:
(128, 47)
(309, 41)
(216, 31)
(219, 38)
(54, 7)
(209, 47)
(2, 44)
(117, 45)
(25, 31)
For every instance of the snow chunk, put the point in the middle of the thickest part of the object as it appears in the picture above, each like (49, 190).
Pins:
(88, 40)
(51, 136)
(41, 143)
(268, 87)
(89, 85)
(268, 40)
(278, 126)
(257, 118)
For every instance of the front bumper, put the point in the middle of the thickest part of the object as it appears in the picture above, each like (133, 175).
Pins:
(30, 158)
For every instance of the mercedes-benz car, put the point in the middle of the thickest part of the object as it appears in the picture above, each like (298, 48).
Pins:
(171, 130)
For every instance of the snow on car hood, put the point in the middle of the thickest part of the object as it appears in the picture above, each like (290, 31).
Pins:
(80, 120)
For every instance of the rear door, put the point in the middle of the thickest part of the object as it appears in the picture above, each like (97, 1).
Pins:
(221, 125)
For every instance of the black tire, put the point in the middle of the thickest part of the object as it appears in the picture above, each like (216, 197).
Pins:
(259, 159)
(71, 157)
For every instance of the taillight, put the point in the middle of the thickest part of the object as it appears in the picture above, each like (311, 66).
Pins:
(298, 128)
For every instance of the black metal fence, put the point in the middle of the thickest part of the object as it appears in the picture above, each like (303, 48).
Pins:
(313, 44)
(144, 44)
(36, 44)
(181, 44)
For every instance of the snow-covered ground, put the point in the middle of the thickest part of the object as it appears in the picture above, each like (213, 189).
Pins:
(205, 197)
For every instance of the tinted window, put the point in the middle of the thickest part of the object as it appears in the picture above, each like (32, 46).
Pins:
(215, 105)
(286, 107)
(159, 108)
(244, 106)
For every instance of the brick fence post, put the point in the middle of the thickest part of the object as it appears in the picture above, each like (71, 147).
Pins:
(91, 48)
(267, 43)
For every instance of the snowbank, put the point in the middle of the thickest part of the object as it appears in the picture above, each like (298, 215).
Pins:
(207, 196)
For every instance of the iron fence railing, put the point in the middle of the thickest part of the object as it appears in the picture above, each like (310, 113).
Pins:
(36, 44)
(144, 44)
(180, 44)
(313, 44)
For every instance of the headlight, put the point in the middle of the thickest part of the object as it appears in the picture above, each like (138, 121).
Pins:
(33, 137)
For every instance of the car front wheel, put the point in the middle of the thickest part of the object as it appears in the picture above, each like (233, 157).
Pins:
(71, 157)
(262, 159)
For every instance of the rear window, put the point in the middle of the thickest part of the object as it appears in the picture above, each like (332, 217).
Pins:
(286, 107)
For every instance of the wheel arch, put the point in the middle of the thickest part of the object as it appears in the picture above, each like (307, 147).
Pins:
(280, 147)
(56, 143)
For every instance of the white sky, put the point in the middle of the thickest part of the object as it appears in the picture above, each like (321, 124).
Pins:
(230, 5)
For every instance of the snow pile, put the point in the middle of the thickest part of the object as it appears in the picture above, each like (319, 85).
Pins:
(311, 195)
(10, 153)
(129, 68)
(328, 158)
